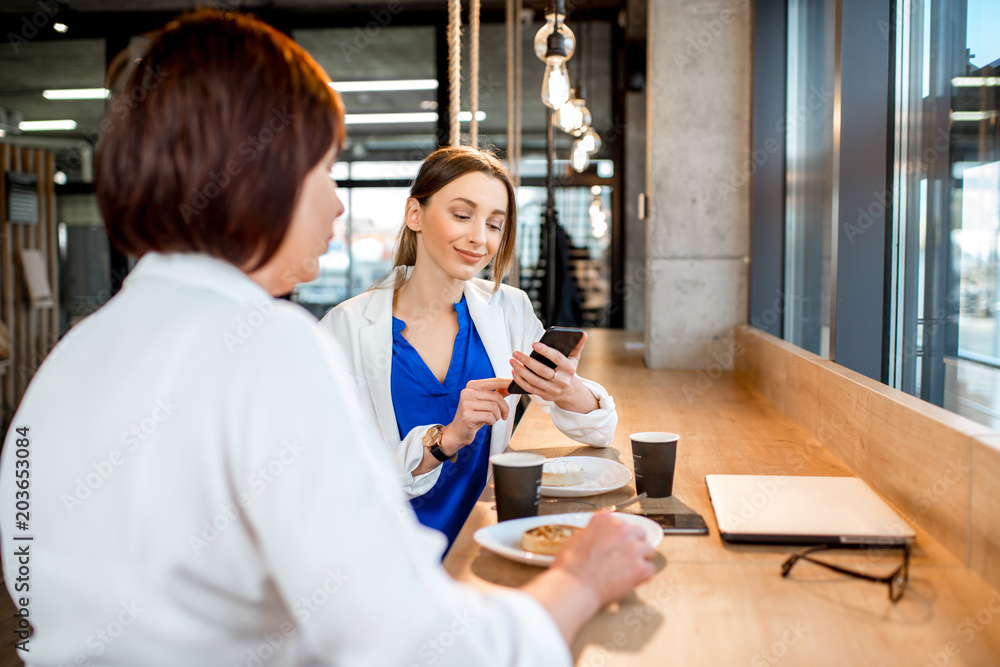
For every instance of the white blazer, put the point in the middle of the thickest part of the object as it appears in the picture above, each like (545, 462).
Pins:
(200, 495)
(506, 322)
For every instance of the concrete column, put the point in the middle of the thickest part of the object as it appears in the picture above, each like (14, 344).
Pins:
(698, 217)
(634, 291)
(634, 288)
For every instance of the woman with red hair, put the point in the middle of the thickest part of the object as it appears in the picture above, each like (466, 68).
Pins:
(202, 487)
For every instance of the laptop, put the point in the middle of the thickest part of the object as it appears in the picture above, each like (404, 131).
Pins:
(779, 509)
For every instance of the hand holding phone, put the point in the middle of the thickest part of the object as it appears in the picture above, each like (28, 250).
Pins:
(561, 339)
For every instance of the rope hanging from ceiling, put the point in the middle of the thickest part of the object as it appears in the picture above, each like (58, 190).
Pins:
(514, 49)
(454, 35)
(454, 70)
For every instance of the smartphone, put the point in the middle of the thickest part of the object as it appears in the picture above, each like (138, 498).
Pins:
(680, 524)
(563, 339)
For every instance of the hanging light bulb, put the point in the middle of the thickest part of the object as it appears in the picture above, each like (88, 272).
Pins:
(590, 141)
(579, 159)
(599, 229)
(555, 85)
(585, 118)
(573, 117)
(594, 210)
(555, 81)
(598, 214)
(568, 116)
(542, 36)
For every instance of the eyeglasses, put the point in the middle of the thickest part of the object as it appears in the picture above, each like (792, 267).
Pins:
(897, 580)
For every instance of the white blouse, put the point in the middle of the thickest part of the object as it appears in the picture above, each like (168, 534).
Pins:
(505, 321)
(204, 491)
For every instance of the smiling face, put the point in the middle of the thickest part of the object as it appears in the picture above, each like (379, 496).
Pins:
(309, 233)
(460, 227)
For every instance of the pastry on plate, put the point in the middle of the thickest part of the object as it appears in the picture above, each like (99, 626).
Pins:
(559, 472)
(547, 539)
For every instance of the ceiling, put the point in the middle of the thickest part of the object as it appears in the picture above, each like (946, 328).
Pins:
(31, 6)
(395, 52)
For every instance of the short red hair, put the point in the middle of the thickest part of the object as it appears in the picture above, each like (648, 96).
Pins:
(208, 137)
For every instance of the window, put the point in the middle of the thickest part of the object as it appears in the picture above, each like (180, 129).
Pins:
(945, 306)
(26, 72)
(585, 216)
(808, 156)
(390, 93)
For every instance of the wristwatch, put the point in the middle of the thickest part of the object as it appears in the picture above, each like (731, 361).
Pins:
(432, 441)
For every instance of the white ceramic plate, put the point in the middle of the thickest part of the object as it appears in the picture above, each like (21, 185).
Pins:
(599, 476)
(504, 538)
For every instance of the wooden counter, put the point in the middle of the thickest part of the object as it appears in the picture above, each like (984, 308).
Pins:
(712, 603)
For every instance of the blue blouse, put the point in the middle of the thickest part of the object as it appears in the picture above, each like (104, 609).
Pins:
(418, 397)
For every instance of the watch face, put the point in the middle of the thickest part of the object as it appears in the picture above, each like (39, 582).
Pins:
(433, 436)
(432, 441)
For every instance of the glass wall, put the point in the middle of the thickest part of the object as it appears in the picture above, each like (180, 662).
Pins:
(364, 237)
(585, 216)
(945, 304)
(388, 81)
(809, 160)
(888, 121)
(27, 71)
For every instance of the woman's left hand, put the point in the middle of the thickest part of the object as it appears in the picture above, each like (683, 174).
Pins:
(560, 384)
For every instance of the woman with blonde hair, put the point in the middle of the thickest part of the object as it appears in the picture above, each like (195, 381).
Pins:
(433, 348)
